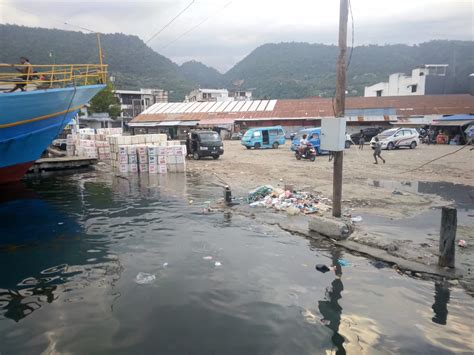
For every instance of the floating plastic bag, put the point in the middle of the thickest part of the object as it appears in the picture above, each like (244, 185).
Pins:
(356, 219)
(144, 278)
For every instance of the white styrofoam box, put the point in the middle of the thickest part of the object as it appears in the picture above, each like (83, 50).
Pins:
(149, 138)
(108, 156)
(123, 168)
(143, 167)
(132, 159)
(143, 158)
(169, 150)
(170, 159)
(178, 150)
(124, 140)
(185, 151)
(162, 169)
(142, 149)
(107, 150)
(333, 134)
(179, 159)
(173, 143)
(152, 159)
(161, 150)
(180, 168)
(171, 168)
(161, 159)
(152, 150)
(101, 150)
(131, 149)
(133, 168)
(152, 168)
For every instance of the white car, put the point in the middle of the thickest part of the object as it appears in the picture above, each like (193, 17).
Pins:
(397, 137)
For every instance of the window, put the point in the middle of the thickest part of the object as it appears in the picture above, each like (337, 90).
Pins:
(273, 132)
(379, 92)
(257, 134)
(413, 88)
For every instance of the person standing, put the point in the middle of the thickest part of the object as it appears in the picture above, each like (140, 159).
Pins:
(361, 140)
(26, 69)
(378, 150)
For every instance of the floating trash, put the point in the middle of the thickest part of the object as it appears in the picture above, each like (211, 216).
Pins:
(343, 262)
(462, 243)
(165, 264)
(356, 219)
(207, 257)
(144, 278)
(309, 316)
(217, 263)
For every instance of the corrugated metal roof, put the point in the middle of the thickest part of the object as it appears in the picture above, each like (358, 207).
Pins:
(403, 106)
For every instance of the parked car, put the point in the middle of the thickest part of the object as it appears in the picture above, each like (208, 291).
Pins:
(369, 133)
(204, 143)
(264, 137)
(397, 137)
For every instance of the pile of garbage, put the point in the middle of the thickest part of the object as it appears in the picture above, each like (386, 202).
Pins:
(293, 202)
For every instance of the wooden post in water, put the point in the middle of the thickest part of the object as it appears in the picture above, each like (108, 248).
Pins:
(447, 237)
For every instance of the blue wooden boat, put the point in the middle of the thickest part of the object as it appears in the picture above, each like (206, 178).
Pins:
(31, 119)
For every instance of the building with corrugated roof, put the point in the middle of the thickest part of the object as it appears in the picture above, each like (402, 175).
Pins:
(294, 114)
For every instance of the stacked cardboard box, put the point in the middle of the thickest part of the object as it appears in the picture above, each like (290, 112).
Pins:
(147, 154)
(90, 143)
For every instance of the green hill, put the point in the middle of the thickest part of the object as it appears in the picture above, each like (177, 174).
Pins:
(283, 70)
(204, 76)
(295, 70)
(131, 62)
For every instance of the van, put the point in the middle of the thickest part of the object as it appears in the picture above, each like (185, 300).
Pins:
(264, 137)
(313, 134)
(396, 138)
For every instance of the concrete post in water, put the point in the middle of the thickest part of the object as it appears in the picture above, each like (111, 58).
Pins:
(227, 195)
(447, 237)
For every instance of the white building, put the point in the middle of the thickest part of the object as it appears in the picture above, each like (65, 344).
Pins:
(427, 80)
(217, 95)
(133, 102)
(203, 95)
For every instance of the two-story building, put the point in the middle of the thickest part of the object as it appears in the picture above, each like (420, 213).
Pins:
(133, 102)
(429, 79)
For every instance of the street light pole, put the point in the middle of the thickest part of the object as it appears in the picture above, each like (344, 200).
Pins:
(340, 105)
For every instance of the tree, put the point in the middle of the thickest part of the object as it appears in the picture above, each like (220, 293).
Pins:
(105, 101)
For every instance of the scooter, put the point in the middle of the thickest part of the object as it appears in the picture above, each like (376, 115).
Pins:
(308, 152)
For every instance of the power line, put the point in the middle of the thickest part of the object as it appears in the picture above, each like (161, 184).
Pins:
(170, 22)
(194, 27)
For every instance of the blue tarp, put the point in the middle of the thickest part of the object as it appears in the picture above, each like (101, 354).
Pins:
(457, 118)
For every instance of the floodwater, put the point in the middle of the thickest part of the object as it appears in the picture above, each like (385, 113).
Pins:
(71, 248)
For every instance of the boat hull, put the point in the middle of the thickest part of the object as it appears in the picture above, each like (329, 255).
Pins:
(30, 121)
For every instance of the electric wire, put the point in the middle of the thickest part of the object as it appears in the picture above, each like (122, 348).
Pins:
(170, 22)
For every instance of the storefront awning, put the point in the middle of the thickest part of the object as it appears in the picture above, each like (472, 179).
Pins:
(188, 123)
(451, 123)
(216, 121)
(168, 123)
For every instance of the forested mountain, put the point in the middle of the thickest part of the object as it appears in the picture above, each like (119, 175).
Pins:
(206, 77)
(133, 64)
(296, 70)
(284, 70)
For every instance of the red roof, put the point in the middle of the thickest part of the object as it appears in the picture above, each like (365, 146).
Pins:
(405, 106)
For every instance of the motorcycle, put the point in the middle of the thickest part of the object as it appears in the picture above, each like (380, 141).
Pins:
(308, 152)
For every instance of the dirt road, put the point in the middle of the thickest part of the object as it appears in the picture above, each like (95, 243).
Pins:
(245, 169)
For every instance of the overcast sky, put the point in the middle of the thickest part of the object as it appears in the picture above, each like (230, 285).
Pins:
(226, 31)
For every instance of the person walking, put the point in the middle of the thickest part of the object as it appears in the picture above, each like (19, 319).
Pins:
(378, 150)
(361, 140)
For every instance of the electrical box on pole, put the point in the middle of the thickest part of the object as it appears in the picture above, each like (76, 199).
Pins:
(333, 134)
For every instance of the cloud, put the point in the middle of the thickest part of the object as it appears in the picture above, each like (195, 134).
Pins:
(225, 35)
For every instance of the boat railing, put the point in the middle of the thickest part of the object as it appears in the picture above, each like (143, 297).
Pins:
(44, 76)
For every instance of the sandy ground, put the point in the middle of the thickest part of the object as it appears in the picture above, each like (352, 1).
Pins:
(246, 169)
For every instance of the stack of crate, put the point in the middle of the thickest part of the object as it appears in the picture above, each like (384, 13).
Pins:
(147, 154)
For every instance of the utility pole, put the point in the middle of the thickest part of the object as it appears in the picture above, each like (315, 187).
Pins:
(340, 105)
